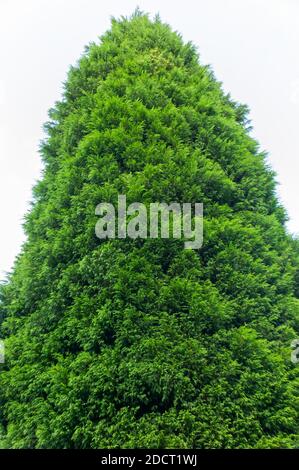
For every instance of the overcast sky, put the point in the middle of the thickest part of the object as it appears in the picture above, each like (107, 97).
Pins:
(252, 46)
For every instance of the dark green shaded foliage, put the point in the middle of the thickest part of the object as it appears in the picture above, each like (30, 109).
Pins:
(141, 343)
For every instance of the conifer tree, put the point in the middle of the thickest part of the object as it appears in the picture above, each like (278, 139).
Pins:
(142, 343)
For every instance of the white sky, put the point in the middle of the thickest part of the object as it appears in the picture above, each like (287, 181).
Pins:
(252, 46)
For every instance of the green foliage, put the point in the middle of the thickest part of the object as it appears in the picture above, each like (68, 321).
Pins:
(141, 343)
